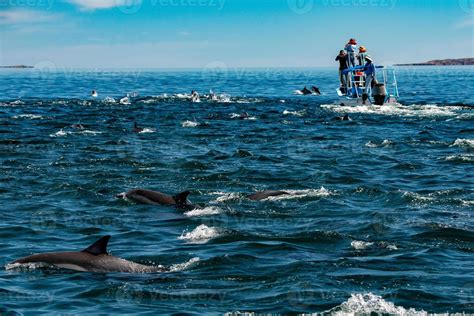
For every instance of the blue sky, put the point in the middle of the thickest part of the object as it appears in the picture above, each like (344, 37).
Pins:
(234, 33)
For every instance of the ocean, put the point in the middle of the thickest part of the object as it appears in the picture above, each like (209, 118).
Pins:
(378, 219)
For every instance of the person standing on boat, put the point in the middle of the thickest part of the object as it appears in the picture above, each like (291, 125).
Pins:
(362, 55)
(342, 59)
(369, 70)
(351, 49)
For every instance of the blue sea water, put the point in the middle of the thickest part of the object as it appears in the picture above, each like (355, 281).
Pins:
(379, 216)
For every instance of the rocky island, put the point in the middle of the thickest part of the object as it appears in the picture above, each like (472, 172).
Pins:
(17, 66)
(444, 62)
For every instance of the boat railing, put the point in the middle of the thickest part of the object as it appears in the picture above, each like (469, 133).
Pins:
(355, 80)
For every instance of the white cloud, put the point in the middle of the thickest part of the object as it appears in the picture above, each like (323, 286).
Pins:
(13, 17)
(98, 4)
(466, 23)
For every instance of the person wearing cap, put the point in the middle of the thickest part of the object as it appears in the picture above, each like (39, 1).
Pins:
(369, 70)
(351, 49)
(361, 55)
(342, 59)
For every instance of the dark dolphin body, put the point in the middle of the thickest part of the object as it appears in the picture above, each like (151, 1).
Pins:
(306, 91)
(136, 128)
(315, 90)
(158, 198)
(92, 259)
(265, 194)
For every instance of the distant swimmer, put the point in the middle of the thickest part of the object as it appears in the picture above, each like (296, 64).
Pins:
(315, 90)
(94, 94)
(136, 128)
(195, 96)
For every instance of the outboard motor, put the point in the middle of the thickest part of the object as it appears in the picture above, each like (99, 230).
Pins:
(379, 93)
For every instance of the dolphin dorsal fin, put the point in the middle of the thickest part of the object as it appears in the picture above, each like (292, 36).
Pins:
(182, 198)
(99, 247)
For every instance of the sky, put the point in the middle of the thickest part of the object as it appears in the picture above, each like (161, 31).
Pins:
(231, 33)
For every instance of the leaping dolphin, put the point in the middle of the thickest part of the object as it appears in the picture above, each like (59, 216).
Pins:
(157, 198)
(92, 259)
(258, 196)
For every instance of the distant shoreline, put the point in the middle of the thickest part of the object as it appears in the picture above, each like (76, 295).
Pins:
(444, 62)
(17, 66)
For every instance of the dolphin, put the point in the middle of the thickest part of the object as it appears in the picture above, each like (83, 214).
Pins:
(157, 198)
(315, 90)
(92, 259)
(258, 196)
(136, 128)
(305, 91)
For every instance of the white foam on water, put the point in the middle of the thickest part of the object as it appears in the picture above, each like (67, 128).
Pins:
(361, 245)
(384, 143)
(226, 197)
(109, 100)
(59, 133)
(464, 143)
(239, 116)
(29, 116)
(89, 132)
(200, 235)
(368, 303)
(429, 110)
(147, 131)
(298, 194)
(184, 266)
(466, 158)
(207, 211)
(190, 124)
(26, 266)
(364, 245)
(294, 113)
(419, 197)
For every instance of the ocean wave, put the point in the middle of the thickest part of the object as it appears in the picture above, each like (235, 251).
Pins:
(147, 131)
(460, 158)
(464, 143)
(29, 116)
(201, 234)
(364, 245)
(190, 124)
(226, 197)
(429, 110)
(384, 143)
(299, 194)
(185, 265)
(368, 303)
(60, 133)
(207, 211)
(294, 113)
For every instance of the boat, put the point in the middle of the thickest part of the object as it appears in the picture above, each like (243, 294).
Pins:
(384, 92)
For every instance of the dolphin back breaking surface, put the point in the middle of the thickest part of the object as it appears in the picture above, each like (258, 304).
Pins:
(92, 259)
